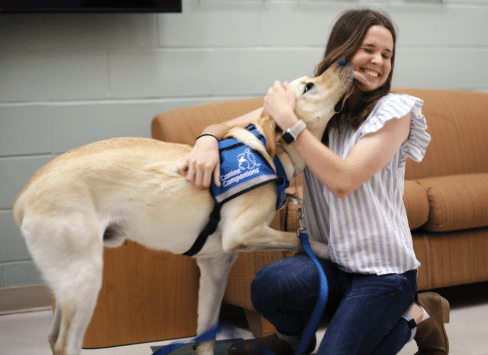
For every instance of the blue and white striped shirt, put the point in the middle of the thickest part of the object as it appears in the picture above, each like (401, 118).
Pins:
(367, 232)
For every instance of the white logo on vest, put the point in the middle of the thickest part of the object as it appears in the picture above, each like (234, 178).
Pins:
(247, 167)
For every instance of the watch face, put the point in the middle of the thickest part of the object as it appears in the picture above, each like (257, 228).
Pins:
(288, 137)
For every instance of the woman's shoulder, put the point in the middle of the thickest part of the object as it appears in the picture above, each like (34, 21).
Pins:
(396, 106)
(390, 106)
(401, 102)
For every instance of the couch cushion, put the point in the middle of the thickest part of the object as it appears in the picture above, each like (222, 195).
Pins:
(457, 202)
(416, 204)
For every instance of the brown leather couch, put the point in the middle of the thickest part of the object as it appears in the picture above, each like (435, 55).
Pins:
(446, 195)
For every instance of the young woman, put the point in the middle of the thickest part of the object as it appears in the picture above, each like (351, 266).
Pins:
(353, 188)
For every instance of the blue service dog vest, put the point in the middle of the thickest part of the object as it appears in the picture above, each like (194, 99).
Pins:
(241, 169)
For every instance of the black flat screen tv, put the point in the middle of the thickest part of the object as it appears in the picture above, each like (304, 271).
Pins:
(88, 6)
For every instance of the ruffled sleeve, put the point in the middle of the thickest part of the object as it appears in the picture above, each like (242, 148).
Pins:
(397, 106)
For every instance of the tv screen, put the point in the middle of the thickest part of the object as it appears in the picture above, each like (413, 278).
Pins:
(86, 6)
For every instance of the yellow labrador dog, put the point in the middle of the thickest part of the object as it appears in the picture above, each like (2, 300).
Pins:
(102, 193)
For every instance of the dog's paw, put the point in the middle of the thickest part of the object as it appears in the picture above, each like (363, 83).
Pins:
(320, 249)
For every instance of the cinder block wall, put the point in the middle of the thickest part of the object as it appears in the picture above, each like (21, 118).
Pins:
(68, 80)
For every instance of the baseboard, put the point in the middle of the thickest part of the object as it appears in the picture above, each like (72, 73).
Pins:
(25, 299)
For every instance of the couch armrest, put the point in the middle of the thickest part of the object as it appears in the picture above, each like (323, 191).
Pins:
(416, 204)
(457, 202)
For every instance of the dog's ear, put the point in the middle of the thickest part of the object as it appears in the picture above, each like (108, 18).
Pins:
(268, 126)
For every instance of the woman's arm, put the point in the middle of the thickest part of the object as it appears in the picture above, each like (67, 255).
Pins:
(341, 176)
(203, 162)
(367, 157)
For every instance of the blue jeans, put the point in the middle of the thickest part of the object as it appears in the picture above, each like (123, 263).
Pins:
(365, 310)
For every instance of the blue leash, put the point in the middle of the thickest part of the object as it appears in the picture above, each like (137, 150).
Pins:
(207, 336)
(314, 321)
(312, 325)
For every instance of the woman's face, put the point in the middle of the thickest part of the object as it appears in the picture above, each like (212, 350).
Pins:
(372, 61)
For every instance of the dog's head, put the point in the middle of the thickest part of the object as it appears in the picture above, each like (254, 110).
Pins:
(317, 100)
(320, 97)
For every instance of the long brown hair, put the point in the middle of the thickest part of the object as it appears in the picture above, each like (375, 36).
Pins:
(345, 39)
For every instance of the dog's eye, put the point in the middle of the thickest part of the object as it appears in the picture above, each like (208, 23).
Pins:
(308, 87)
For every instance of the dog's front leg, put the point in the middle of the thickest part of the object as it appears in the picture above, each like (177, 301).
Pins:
(245, 223)
(213, 279)
(261, 237)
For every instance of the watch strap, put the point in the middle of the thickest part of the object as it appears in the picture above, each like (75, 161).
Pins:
(291, 134)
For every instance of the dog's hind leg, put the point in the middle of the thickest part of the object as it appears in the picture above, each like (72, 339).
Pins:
(69, 253)
(55, 326)
(214, 272)
(77, 301)
(75, 318)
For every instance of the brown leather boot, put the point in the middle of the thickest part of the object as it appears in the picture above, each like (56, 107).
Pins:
(263, 345)
(431, 334)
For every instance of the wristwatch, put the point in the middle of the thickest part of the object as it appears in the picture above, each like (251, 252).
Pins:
(291, 134)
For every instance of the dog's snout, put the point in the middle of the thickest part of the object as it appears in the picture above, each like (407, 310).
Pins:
(342, 62)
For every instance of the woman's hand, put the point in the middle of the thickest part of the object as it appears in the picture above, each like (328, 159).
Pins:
(280, 104)
(202, 163)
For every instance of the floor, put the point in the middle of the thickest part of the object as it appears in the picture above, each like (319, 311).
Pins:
(25, 333)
